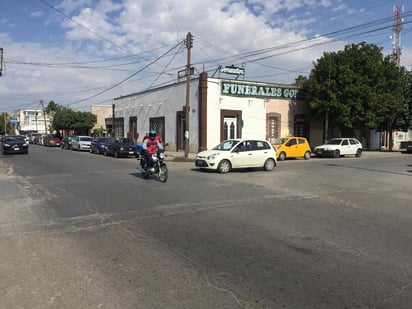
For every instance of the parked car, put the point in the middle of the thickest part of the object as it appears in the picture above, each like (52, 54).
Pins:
(292, 147)
(33, 136)
(81, 143)
(238, 153)
(337, 147)
(26, 138)
(66, 142)
(119, 147)
(406, 146)
(14, 144)
(97, 145)
(38, 139)
(52, 140)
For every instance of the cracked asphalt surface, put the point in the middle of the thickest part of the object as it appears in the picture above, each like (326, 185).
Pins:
(85, 231)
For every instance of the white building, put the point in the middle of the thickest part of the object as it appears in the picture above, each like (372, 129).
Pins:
(219, 109)
(34, 121)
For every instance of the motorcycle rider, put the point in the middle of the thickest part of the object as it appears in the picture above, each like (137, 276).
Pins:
(151, 145)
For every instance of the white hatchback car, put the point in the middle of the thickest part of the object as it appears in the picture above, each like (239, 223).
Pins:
(238, 153)
(337, 147)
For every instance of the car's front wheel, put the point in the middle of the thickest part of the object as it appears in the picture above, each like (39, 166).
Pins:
(224, 166)
(336, 154)
(307, 155)
(282, 156)
(269, 165)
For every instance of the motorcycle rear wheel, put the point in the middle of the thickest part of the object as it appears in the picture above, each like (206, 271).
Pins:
(163, 173)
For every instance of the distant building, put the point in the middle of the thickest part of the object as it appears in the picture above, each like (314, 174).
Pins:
(102, 112)
(33, 121)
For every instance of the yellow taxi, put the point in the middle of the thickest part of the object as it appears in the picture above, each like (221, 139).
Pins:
(292, 147)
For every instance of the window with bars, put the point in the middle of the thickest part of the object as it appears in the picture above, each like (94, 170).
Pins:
(273, 126)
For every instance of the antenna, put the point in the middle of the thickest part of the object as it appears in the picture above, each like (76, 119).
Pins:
(396, 37)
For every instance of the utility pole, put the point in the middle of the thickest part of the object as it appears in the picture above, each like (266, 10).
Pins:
(44, 116)
(1, 61)
(113, 117)
(189, 45)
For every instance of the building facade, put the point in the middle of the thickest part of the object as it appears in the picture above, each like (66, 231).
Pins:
(33, 121)
(219, 109)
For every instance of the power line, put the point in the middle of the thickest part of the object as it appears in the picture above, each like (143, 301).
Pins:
(127, 78)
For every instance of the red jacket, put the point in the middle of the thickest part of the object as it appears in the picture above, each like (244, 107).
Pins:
(151, 146)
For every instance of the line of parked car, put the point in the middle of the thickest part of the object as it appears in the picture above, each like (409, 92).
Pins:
(228, 155)
(108, 146)
(246, 153)
(49, 140)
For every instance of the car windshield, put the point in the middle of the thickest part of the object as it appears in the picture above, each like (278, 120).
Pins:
(85, 139)
(335, 141)
(124, 140)
(226, 145)
(102, 139)
(279, 141)
(14, 138)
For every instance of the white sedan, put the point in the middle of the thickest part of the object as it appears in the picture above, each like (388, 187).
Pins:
(238, 153)
(81, 143)
(337, 147)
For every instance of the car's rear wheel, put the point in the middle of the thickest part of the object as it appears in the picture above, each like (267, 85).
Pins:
(105, 153)
(282, 156)
(358, 153)
(224, 166)
(307, 155)
(336, 154)
(269, 165)
(116, 154)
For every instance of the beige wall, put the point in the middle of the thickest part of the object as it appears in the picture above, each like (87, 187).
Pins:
(102, 112)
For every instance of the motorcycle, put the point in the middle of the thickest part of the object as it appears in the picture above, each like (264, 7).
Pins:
(155, 165)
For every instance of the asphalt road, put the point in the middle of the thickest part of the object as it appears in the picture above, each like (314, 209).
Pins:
(84, 231)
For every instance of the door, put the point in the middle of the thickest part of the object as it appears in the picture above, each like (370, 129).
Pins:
(242, 156)
(345, 147)
(292, 148)
(230, 127)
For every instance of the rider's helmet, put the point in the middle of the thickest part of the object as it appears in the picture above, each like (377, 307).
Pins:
(152, 134)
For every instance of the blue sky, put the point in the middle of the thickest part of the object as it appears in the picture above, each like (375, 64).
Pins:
(85, 52)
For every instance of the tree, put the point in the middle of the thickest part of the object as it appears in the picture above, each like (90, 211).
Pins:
(5, 125)
(67, 119)
(357, 88)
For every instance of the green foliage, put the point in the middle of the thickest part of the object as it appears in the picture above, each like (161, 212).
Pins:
(67, 119)
(358, 88)
(5, 125)
(99, 131)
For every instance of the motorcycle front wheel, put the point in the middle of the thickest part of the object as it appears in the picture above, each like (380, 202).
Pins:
(163, 173)
(145, 174)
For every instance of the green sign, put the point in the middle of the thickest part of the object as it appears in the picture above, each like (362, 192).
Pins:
(258, 91)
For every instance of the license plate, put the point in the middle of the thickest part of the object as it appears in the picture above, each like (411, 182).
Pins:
(17, 148)
(131, 152)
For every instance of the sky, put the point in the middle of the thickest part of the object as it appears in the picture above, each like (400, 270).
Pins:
(80, 53)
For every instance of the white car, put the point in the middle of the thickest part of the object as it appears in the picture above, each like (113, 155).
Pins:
(81, 143)
(337, 147)
(238, 153)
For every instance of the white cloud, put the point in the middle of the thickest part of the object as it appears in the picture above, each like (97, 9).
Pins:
(110, 29)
